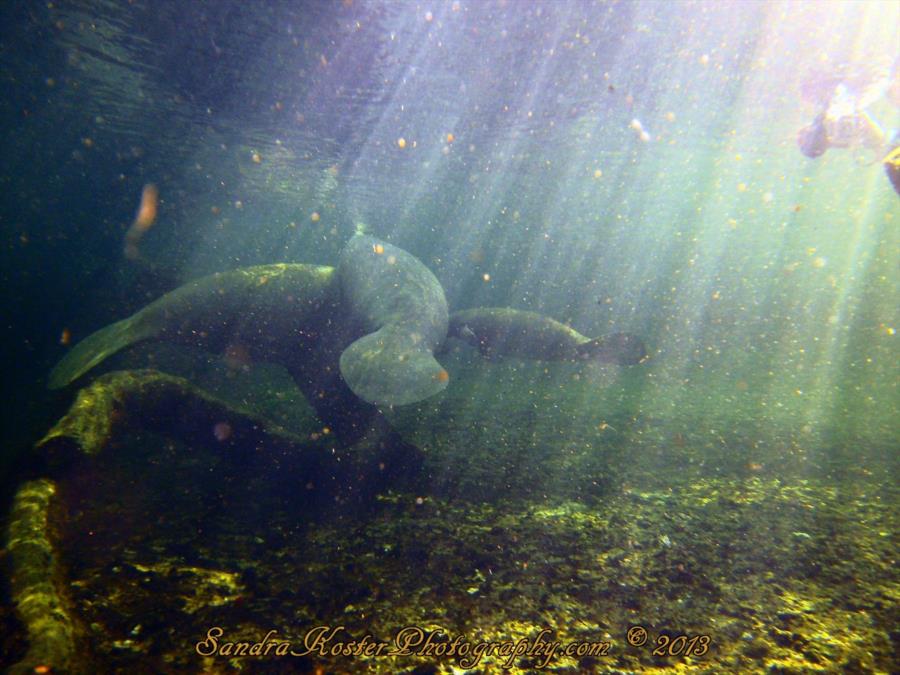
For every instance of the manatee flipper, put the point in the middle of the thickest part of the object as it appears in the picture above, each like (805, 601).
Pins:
(402, 306)
(391, 367)
(503, 331)
(274, 310)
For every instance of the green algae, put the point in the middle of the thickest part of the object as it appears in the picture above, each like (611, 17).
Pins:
(147, 398)
(38, 587)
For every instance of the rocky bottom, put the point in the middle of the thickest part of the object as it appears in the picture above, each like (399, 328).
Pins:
(179, 560)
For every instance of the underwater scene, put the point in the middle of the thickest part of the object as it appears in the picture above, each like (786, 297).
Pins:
(450, 336)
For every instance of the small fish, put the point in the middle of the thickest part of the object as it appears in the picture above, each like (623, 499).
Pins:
(143, 221)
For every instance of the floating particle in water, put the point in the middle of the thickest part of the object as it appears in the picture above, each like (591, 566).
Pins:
(670, 116)
(429, 17)
(215, 210)
(222, 431)
(237, 357)
(642, 133)
(486, 276)
(450, 138)
(146, 216)
(819, 262)
(65, 337)
(314, 216)
(598, 173)
(87, 142)
(256, 157)
(704, 60)
(391, 259)
(238, 204)
(768, 197)
(401, 142)
(741, 187)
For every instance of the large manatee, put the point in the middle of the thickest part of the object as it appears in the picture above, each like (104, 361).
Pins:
(503, 331)
(275, 312)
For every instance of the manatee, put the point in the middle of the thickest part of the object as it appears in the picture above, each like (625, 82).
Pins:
(387, 306)
(503, 331)
(402, 307)
(267, 309)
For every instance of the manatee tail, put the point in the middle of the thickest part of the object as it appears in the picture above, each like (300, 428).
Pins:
(95, 348)
(389, 368)
(623, 348)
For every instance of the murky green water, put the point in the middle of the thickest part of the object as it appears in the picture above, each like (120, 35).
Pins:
(628, 168)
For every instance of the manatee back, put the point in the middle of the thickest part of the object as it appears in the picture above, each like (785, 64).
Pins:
(504, 331)
(258, 306)
(402, 305)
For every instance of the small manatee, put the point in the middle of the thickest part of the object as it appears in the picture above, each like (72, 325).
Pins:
(502, 331)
